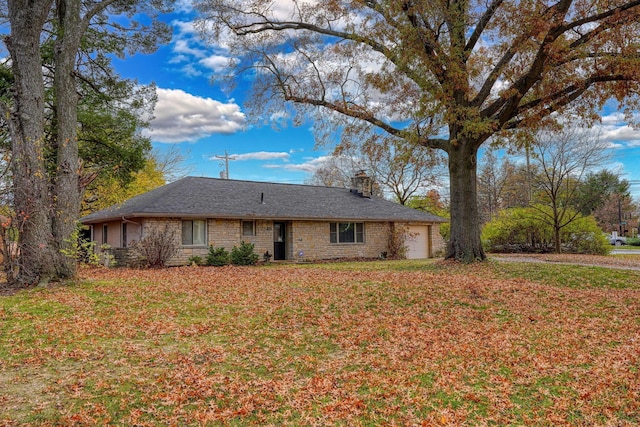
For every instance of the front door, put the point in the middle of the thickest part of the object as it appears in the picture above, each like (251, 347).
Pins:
(279, 241)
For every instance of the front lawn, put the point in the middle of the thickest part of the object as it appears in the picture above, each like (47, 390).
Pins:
(378, 343)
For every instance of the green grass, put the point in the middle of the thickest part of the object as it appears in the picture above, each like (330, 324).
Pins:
(377, 343)
(573, 276)
(563, 275)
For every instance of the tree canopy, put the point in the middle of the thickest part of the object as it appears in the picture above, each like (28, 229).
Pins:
(399, 171)
(446, 75)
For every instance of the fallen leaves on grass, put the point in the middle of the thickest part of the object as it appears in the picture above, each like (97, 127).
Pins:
(288, 346)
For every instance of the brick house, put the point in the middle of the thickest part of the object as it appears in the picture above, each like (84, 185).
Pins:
(291, 222)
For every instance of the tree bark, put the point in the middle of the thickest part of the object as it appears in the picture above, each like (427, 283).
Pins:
(31, 202)
(66, 187)
(464, 243)
(557, 226)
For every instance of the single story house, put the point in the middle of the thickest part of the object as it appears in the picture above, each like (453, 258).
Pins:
(290, 221)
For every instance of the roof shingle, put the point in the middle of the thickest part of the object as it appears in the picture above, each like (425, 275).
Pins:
(222, 198)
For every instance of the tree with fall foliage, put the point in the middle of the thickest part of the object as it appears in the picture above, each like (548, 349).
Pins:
(618, 213)
(398, 171)
(446, 75)
(608, 198)
(498, 181)
(404, 170)
(336, 170)
(158, 168)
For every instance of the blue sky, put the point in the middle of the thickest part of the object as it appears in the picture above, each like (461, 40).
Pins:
(203, 122)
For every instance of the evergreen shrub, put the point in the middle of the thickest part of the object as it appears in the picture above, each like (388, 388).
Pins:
(217, 257)
(244, 255)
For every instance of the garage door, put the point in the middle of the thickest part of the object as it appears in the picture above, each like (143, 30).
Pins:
(418, 242)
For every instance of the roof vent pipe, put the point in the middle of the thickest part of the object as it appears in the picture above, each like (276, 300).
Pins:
(262, 198)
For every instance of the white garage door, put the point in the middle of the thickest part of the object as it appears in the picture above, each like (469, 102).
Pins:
(418, 242)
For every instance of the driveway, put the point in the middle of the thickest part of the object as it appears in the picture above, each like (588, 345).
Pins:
(625, 252)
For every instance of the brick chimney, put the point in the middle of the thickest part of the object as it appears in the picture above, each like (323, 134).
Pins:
(361, 184)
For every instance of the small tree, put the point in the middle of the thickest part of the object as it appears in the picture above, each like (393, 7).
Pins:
(157, 248)
(563, 159)
(517, 230)
(500, 185)
(217, 257)
(244, 255)
(525, 230)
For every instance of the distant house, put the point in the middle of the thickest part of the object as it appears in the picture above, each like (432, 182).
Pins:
(291, 222)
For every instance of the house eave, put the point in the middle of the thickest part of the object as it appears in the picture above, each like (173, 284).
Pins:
(252, 217)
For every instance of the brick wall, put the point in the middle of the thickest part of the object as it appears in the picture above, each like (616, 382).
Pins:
(438, 244)
(306, 240)
(225, 233)
(174, 226)
(311, 238)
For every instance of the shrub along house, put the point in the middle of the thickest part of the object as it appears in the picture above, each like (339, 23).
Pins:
(291, 222)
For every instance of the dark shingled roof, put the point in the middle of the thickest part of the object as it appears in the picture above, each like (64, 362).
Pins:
(193, 197)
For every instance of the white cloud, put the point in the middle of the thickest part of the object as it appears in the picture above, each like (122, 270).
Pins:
(200, 58)
(617, 132)
(190, 71)
(182, 47)
(309, 166)
(614, 145)
(215, 62)
(279, 116)
(183, 5)
(184, 27)
(259, 155)
(612, 119)
(633, 143)
(183, 117)
(622, 133)
(178, 59)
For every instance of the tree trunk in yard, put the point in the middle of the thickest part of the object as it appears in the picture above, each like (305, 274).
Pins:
(66, 188)
(31, 202)
(557, 242)
(464, 244)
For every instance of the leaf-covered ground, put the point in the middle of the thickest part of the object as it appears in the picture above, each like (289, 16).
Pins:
(359, 344)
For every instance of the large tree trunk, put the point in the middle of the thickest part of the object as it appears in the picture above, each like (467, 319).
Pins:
(66, 188)
(31, 202)
(464, 244)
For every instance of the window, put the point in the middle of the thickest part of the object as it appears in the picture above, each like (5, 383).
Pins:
(194, 232)
(105, 233)
(124, 234)
(346, 232)
(248, 228)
